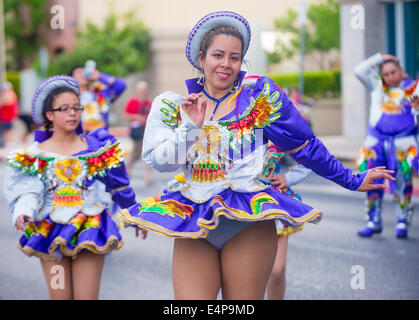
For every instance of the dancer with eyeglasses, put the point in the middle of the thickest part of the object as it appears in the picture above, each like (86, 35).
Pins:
(53, 191)
(222, 216)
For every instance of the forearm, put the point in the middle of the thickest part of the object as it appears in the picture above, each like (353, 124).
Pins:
(368, 70)
(296, 175)
(315, 156)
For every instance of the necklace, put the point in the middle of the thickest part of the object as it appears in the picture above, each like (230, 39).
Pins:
(218, 101)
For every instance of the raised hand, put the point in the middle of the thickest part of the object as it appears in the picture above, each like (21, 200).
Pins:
(415, 102)
(193, 110)
(376, 173)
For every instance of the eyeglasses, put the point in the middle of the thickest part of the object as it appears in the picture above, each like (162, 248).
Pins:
(67, 109)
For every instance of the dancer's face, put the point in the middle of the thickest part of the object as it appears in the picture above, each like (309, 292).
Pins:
(222, 62)
(79, 76)
(392, 74)
(67, 119)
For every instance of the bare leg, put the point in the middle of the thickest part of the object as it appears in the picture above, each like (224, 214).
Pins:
(87, 271)
(247, 261)
(277, 282)
(137, 146)
(148, 175)
(58, 279)
(195, 270)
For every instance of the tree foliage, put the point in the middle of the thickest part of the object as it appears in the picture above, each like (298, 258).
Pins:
(116, 50)
(322, 32)
(23, 21)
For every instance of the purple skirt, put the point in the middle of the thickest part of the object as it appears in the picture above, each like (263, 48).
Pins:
(173, 215)
(51, 241)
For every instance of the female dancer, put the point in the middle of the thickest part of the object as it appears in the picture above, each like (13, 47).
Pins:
(52, 191)
(222, 216)
(271, 174)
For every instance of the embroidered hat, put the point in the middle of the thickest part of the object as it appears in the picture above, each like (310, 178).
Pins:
(45, 88)
(209, 22)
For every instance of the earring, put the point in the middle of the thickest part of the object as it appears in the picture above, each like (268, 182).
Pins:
(201, 78)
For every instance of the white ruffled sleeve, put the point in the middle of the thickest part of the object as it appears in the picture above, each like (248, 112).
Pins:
(168, 134)
(368, 71)
(23, 193)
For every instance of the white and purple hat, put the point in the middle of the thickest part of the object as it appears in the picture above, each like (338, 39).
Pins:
(209, 22)
(45, 88)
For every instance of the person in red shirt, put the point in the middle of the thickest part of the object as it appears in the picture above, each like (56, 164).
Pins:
(136, 112)
(8, 111)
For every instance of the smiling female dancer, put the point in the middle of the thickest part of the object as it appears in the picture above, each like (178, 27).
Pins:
(222, 215)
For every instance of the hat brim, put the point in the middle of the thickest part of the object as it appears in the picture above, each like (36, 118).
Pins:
(44, 89)
(209, 22)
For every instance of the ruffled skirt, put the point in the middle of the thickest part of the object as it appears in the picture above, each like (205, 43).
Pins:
(174, 215)
(51, 241)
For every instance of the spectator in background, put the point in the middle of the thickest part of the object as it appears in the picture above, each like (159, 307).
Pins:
(136, 112)
(98, 91)
(8, 112)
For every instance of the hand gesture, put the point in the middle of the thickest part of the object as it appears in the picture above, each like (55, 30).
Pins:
(376, 173)
(415, 102)
(143, 232)
(195, 112)
(279, 180)
(20, 222)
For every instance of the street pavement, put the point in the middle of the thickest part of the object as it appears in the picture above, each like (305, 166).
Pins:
(325, 261)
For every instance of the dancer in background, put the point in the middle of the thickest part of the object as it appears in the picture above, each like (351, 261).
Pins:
(273, 173)
(52, 191)
(391, 139)
(98, 91)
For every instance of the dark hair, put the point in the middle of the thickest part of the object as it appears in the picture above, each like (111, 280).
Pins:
(223, 29)
(73, 69)
(395, 62)
(49, 102)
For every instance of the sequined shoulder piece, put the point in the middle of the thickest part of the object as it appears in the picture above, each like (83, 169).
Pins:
(261, 112)
(31, 164)
(104, 159)
(170, 113)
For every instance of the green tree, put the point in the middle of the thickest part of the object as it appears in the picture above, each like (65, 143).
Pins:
(23, 19)
(117, 51)
(322, 32)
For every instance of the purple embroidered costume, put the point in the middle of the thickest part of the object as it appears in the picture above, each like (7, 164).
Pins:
(62, 194)
(391, 142)
(222, 161)
(97, 102)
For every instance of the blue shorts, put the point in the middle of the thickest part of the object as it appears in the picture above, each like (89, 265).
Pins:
(225, 231)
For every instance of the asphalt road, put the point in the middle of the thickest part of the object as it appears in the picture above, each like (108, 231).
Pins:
(325, 261)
